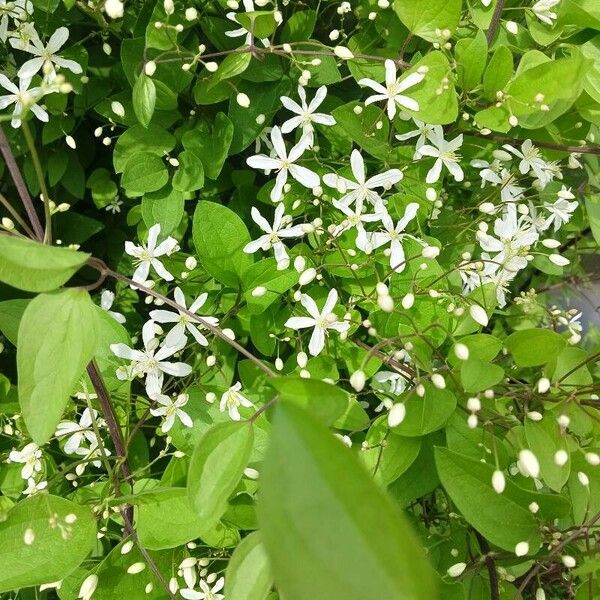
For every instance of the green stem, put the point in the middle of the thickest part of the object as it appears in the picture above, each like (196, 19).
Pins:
(39, 172)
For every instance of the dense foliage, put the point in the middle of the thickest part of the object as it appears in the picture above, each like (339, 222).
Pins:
(287, 299)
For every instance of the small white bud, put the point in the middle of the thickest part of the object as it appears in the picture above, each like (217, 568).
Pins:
(71, 142)
(534, 415)
(543, 385)
(561, 458)
(457, 570)
(28, 537)
(461, 351)
(191, 263)
(8, 224)
(117, 108)
(299, 264)
(169, 7)
(528, 464)
(150, 68)
(343, 53)
(191, 14)
(278, 364)
(513, 121)
(408, 301)
(88, 587)
(307, 276)
(583, 478)
(259, 291)
(126, 547)
(558, 260)
(512, 27)
(521, 549)
(302, 359)
(211, 66)
(592, 458)
(211, 360)
(498, 481)
(478, 314)
(396, 414)
(438, 381)
(386, 303)
(568, 561)
(113, 8)
(540, 594)
(229, 333)
(563, 421)
(534, 507)
(357, 380)
(136, 568)
(430, 252)
(243, 100)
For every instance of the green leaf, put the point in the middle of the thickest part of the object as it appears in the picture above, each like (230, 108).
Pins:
(52, 555)
(471, 57)
(534, 347)
(261, 23)
(299, 26)
(220, 236)
(426, 414)
(35, 267)
(216, 468)
(424, 18)
(248, 575)
(498, 72)
(478, 375)
(265, 273)
(325, 402)
(189, 176)
(138, 140)
(329, 531)
(592, 206)
(144, 173)
(164, 206)
(50, 365)
(469, 483)
(167, 520)
(233, 65)
(144, 99)
(544, 438)
(11, 312)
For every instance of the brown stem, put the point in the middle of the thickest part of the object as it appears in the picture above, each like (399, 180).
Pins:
(15, 173)
(491, 566)
(491, 32)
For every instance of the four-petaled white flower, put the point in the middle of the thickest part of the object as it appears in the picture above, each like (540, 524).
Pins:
(531, 160)
(146, 255)
(106, 301)
(392, 92)
(46, 57)
(273, 234)
(183, 322)
(78, 432)
(206, 593)
(23, 97)
(231, 400)
(285, 163)
(394, 235)
(543, 11)
(151, 360)
(561, 211)
(33, 487)
(306, 113)
(30, 457)
(320, 320)
(423, 132)
(445, 154)
(169, 409)
(362, 189)
(355, 218)
(243, 32)
(17, 10)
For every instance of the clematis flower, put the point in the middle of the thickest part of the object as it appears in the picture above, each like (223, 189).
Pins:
(393, 235)
(392, 92)
(321, 320)
(106, 301)
(146, 255)
(561, 211)
(30, 456)
(207, 592)
(169, 409)
(285, 164)
(362, 188)
(231, 400)
(151, 360)
(531, 160)
(17, 10)
(46, 56)
(423, 133)
(243, 32)
(355, 218)
(543, 11)
(183, 322)
(79, 432)
(23, 97)
(306, 113)
(273, 235)
(445, 154)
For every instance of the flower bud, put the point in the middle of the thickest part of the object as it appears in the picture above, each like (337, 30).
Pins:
(307, 276)
(408, 301)
(438, 381)
(478, 314)
(461, 351)
(543, 385)
(243, 100)
(343, 53)
(357, 380)
(528, 464)
(150, 68)
(396, 414)
(521, 549)
(457, 570)
(498, 481)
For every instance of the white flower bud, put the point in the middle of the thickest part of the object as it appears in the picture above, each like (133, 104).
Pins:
(243, 100)
(568, 561)
(169, 7)
(498, 481)
(431, 194)
(534, 507)
(113, 8)
(299, 264)
(540, 594)
(343, 53)
(550, 243)
(558, 260)
(191, 14)
(512, 27)
(88, 587)
(430, 252)
(561, 457)
(71, 142)
(472, 421)
(420, 390)
(117, 108)
(521, 549)
(259, 291)
(478, 314)
(396, 414)
(302, 359)
(211, 360)
(592, 458)
(28, 537)
(191, 263)
(136, 568)
(278, 364)
(528, 464)
(229, 333)
(382, 289)
(583, 478)
(211, 66)
(126, 547)
(408, 301)
(487, 208)
(543, 385)
(307, 276)
(513, 121)
(461, 351)
(150, 68)
(438, 381)
(357, 380)
(563, 421)
(534, 415)
(8, 224)
(457, 570)
(474, 404)
(386, 303)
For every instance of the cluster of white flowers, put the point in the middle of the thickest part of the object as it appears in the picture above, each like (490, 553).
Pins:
(38, 76)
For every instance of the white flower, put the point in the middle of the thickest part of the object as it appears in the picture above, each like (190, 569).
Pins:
(30, 457)
(320, 320)
(23, 97)
(543, 11)
(392, 92)
(45, 56)
(393, 235)
(355, 218)
(390, 381)
(362, 188)
(306, 113)
(80, 431)
(231, 400)
(34, 487)
(15, 10)
(424, 131)
(114, 206)
(531, 161)
(207, 592)
(284, 163)
(170, 409)
(151, 360)
(510, 192)
(183, 322)
(242, 32)
(560, 211)
(445, 154)
(106, 301)
(273, 235)
(146, 255)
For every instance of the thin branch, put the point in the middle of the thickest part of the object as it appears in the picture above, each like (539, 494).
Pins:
(490, 563)
(15, 173)
(493, 28)
(16, 216)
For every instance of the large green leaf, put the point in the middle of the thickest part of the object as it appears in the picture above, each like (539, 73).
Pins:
(425, 19)
(64, 533)
(328, 530)
(50, 365)
(216, 468)
(220, 236)
(34, 267)
(533, 347)
(248, 575)
(144, 99)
